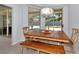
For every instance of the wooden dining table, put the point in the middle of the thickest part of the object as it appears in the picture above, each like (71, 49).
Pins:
(56, 36)
(48, 35)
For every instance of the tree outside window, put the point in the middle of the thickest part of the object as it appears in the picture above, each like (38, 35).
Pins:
(55, 21)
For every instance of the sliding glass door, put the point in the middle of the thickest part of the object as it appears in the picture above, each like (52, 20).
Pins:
(5, 20)
(1, 24)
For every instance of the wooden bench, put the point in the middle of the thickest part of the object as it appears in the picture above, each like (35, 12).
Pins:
(44, 47)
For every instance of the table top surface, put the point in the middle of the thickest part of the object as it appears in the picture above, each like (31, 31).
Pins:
(59, 36)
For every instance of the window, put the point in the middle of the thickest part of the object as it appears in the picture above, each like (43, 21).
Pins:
(55, 21)
(34, 22)
(34, 18)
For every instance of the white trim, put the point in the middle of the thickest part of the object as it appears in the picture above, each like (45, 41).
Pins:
(7, 31)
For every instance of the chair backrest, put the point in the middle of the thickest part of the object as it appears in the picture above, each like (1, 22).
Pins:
(74, 38)
(25, 29)
(75, 34)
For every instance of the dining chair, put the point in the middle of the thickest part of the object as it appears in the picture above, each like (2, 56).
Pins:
(74, 39)
(25, 30)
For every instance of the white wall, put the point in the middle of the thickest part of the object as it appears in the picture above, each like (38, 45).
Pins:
(74, 16)
(66, 19)
(24, 21)
(19, 19)
(74, 19)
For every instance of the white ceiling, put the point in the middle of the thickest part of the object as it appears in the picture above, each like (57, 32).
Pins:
(38, 7)
(3, 10)
(31, 9)
(51, 5)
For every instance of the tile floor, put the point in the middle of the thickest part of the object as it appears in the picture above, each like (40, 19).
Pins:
(7, 48)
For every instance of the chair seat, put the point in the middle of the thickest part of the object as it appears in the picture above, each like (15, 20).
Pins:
(44, 47)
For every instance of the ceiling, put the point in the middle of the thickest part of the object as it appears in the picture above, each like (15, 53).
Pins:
(51, 5)
(38, 7)
(31, 9)
(3, 10)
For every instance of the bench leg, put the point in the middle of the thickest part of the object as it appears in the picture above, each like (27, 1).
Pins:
(22, 50)
(38, 51)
